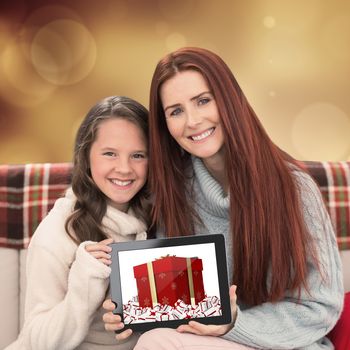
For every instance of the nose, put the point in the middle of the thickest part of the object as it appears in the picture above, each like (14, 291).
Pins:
(122, 165)
(193, 118)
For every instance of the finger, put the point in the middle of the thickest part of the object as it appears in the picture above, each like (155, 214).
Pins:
(98, 247)
(107, 241)
(98, 255)
(112, 327)
(233, 302)
(105, 261)
(109, 317)
(185, 328)
(204, 329)
(112, 322)
(108, 305)
(124, 335)
(196, 328)
(233, 295)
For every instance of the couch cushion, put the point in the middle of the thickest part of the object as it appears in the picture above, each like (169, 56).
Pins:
(9, 305)
(22, 284)
(345, 258)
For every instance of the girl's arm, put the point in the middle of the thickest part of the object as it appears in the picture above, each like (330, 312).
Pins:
(61, 300)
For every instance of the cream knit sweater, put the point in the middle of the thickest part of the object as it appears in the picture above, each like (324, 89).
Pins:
(66, 286)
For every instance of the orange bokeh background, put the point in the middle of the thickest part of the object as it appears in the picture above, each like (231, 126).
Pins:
(57, 58)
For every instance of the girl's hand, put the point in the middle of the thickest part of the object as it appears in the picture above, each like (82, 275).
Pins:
(101, 251)
(213, 330)
(114, 322)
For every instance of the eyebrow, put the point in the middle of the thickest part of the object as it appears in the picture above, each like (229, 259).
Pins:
(191, 99)
(110, 149)
(106, 149)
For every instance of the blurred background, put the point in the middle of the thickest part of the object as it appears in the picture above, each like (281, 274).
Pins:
(59, 57)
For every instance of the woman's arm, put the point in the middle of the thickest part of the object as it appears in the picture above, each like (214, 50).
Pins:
(291, 324)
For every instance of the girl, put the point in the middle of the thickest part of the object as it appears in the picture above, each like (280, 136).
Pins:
(68, 257)
(281, 248)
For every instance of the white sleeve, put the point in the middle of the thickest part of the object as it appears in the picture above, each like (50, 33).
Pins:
(61, 301)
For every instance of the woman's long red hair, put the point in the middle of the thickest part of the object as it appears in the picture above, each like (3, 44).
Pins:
(270, 240)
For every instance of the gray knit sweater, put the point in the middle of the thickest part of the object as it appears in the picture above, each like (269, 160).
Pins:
(285, 324)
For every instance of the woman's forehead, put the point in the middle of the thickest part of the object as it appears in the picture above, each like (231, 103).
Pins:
(184, 84)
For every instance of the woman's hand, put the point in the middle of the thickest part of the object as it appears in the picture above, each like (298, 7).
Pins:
(213, 330)
(101, 251)
(114, 322)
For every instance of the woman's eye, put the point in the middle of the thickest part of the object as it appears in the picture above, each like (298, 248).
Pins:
(203, 100)
(175, 112)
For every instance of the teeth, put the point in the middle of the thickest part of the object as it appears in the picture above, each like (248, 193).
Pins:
(121, 183)
(202, 136)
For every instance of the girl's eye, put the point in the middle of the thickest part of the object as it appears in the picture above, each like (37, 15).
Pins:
(175, 112)
(203, 100)
(139, 156)
(109, 154)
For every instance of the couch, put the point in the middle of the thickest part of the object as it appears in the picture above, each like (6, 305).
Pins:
(28, 192)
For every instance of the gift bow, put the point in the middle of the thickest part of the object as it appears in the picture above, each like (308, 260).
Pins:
(165, 256)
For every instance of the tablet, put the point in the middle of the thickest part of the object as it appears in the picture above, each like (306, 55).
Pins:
(169, 281)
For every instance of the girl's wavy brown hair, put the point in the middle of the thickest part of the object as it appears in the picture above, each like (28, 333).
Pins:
(85, 223)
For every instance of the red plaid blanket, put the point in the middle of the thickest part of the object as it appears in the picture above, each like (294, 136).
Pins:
(333, 179)
(28, 192)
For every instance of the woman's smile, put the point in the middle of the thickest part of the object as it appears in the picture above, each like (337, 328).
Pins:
(202, 136)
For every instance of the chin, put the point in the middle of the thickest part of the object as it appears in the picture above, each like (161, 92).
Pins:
(206, 154)
(205, 151)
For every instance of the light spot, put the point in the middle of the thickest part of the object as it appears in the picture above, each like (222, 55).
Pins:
(321, 132)
(269, 22)
(20, 84)
(63, 52)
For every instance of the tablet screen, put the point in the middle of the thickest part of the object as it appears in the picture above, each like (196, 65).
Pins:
(167, 282)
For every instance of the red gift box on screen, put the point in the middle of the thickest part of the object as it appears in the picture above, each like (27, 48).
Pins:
(168, 279)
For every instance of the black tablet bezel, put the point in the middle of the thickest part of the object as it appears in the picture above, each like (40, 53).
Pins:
(220, 252)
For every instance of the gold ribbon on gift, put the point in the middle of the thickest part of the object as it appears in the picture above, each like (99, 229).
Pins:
(190, 281)
(152, 284)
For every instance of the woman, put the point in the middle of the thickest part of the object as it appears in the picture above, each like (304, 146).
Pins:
(281, 248)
